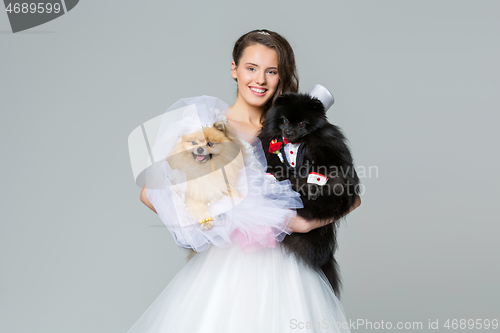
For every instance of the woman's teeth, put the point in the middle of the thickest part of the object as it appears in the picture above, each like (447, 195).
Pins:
(257, 90)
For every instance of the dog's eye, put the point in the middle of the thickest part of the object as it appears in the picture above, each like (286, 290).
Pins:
(193, 143)
(210, 144)
(285, 121)
(301, 124)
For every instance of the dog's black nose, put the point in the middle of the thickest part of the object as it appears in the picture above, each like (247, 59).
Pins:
(289, 134)
(200, 150)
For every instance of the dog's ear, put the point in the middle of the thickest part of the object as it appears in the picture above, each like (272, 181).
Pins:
(220, 126)
(317, 105)
(282, 99)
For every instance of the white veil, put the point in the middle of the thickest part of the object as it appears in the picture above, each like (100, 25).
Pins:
(257, 220)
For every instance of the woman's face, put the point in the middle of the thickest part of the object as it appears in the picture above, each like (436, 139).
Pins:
(257, 74)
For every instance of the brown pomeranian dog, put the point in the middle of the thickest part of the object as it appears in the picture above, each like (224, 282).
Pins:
(211, 158)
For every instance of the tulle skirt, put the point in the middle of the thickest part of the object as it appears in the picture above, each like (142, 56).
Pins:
(227, 290)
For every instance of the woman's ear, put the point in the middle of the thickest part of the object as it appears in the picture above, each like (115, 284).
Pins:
(233, 70)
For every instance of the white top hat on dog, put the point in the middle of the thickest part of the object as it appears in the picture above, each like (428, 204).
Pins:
(323, 94)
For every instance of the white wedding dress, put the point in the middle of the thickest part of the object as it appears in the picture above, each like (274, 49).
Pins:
(226, 288)
(223, 290)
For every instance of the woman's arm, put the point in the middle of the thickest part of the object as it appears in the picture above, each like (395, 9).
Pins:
(145, 200)
(299, 224)
(302, 225)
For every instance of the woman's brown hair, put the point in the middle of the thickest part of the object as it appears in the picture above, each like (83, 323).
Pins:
(287, 71)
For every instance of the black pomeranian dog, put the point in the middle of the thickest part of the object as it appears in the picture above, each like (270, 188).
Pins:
(302, 146)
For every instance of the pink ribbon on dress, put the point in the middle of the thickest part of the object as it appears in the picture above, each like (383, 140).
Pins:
(254, 241)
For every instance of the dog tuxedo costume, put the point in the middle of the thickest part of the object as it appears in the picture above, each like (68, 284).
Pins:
(319, 166)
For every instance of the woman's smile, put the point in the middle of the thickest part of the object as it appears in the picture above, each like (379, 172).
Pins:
(257, 91)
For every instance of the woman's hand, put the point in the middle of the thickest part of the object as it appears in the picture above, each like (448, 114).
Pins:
(299, 224)
(145, 199)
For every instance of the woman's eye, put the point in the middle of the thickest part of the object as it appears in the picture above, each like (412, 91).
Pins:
(251, 69)
(193, 143)
(210, 144)
(273, 72)
(285, 121)
(301, 124)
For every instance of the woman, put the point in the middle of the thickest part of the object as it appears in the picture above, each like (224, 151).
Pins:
(224, 289)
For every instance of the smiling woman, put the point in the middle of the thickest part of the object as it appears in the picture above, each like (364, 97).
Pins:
(226, 289)
(263, 60)
(257, 74)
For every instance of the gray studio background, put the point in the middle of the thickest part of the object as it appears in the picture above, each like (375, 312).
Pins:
(417, 93)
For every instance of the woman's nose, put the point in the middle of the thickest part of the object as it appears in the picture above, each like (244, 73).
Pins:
(261, 79)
